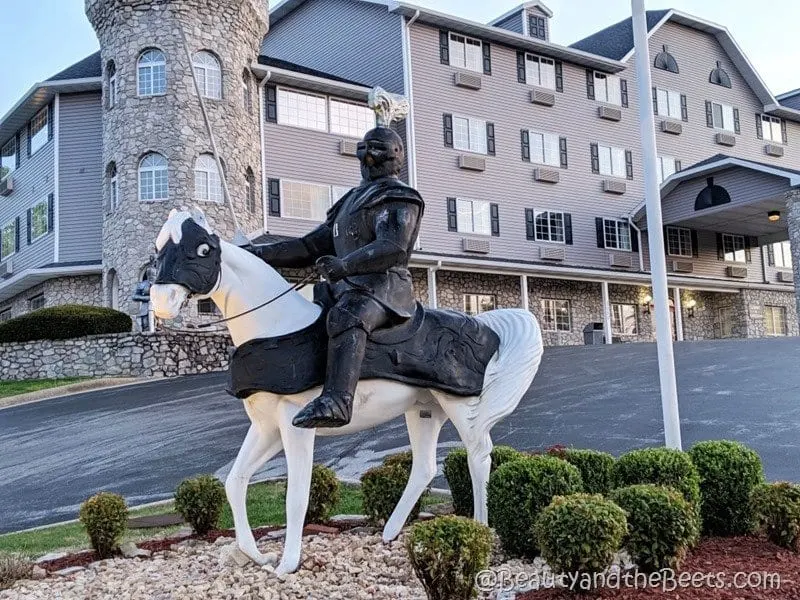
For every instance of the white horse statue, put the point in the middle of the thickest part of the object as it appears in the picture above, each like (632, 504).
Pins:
(202, 266)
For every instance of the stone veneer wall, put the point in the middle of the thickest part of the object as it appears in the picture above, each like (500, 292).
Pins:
(452, 285)
(118, 355)
(83, 289)
(754, 302)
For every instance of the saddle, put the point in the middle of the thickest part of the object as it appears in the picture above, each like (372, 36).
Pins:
(440, 349)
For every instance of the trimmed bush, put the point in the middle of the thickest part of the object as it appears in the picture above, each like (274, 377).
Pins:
(105, 517)
(200, 500)
(456, 471)
(403, 459)
(517, 493)
(597, 468)
(580, 533)
(659, 466)
(729, 471)
(381, 489)
(776, 512)
(324, 495)
(661, 525)
(447, 553)
(64, 322)
(13, 568)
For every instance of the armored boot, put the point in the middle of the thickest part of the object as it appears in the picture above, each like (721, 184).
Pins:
(334, 407)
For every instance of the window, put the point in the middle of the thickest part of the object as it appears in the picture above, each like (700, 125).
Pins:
(39, 129)
(549, 227)
(775, 320)
(8, 240)
(5, 314)
(111, 73)
(733, 247)
(607, 89)
(545, 149)
(250, 189)
(352, 120)
(475, 304)
(153, 177)
(612, 161)
(540, 71)
(667, 165)
(209, 74)
(113, 190)
(39, 221)
(781, 253)
(668, 103)
(469, 134)
(466, 53)
(36, 302)
(207, 182)
(151, 73)
(247, 94)
(772, 129)
(206, 306)
(726, 322)
(305, 200)
(722, 115)
(473, 216)
(679, 241)
(536, 27)
(8, 158)
(623, 319)
(617, 234)
(302, 110)
(556, 315)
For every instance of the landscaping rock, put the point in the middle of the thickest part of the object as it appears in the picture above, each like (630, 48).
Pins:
(129, 550)
(274, 535)
(69, 571)
(347, 519)
(231, 555)
(50, 556)
(38, 573)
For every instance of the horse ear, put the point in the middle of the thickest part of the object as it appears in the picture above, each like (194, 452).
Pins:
(199, 217)
(172, 213)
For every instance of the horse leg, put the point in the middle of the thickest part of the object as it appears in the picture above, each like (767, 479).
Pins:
(259, 446)
(423, 434)
(298, 446)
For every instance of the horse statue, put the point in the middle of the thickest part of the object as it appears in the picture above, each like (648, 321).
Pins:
(259, 305)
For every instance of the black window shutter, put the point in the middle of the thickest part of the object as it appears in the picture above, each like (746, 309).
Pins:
(559, 76)
(494, 213)
(784, 135)
(562, 151)
(274, 196)
(568, 229)
(525, 139)
(487, 58)
(736, 126)
(51, 212)
(272, 104)
(521, 74)
(447, 120)
(695, 244)
(629, 164)
(19, 152)
(16, 233)
(655, 101)
(601, 237)
(30, 218)
(720, 248)
(634, 239)
(590, 84)
(530, 226)
(748, 245)
(771, 255)
(709, 114)
(684, 108)
(677, 166)
(28, 136)
(452, 215)
(623, 92)
(490, 146)
(666, 239)
(759, 127)
(444, 47)
(595, 153)
(50, 122)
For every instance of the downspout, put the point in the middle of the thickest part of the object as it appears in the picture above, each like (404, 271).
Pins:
(639, 238)
(262, 90)
(409, 83)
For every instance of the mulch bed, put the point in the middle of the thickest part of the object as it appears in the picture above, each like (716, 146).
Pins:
(774, 572)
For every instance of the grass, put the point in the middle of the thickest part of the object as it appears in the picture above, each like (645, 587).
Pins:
(265, 506)
(13, 388)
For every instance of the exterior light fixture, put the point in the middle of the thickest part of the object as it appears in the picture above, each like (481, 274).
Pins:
(690, 306)
(646, 302)
(774, 215)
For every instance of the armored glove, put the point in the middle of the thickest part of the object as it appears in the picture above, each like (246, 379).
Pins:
(332, 268)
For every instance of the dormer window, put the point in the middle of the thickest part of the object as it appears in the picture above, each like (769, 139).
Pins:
(665, 61)
(537, 27)
(719, 76)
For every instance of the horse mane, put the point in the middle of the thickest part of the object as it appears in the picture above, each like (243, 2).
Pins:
(172, 228)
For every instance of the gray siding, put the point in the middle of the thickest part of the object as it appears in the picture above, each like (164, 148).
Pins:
(512, 22)
(359, 41)
(80, 178)
(539, 13)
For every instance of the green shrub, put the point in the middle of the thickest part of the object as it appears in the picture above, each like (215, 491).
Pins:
(597, 468)
(13, 568)
(447, 554)
(661, 525)
(776, 512)
(381, 489)
(403, 459)
(580, 533)
(64, 322)
(456, 471)
(728, 473)
(517, 493)
(105, 517)
(659, 466)
(200, 500)
(324, 495)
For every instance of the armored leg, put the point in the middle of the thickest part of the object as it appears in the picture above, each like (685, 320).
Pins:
(349, 323)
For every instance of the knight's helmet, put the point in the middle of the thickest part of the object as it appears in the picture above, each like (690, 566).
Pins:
(381, 151)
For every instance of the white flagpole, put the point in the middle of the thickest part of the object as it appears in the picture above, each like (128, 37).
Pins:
(655, 232)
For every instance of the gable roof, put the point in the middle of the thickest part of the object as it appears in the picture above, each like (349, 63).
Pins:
(278, 63)
(616, 41)
(520, 8)
(88, 67)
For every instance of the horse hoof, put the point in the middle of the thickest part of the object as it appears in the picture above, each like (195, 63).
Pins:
(284, 569)
(390, 535)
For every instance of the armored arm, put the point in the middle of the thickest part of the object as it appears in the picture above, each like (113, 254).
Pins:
(298, 252)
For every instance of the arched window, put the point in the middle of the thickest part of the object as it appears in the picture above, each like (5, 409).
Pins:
(151, 73)
(111, 82)
(719, 76)
(208, 73)
(250, 190)
(113, 189)
(207, 182)
(664, 60)
(153, 177)
(247, 94)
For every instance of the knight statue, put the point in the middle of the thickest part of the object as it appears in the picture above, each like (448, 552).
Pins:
(362, 251)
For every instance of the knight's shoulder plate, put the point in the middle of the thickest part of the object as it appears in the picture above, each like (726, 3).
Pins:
(396, 191)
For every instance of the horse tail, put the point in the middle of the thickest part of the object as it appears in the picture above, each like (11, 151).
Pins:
(511, 371)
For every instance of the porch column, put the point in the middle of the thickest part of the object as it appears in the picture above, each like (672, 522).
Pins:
(676, 300)
(793, 223)
(523, 288)
(432, 301)
(606, 313)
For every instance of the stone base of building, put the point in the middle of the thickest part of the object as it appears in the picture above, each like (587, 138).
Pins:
(81, 289)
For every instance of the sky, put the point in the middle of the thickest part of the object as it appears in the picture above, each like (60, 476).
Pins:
(39, 38)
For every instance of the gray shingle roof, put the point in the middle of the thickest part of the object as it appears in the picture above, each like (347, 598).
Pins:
(719, 157)
(270, 61)
(88, 67)
(617, 40)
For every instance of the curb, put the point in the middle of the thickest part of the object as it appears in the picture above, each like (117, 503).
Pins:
(72, 389)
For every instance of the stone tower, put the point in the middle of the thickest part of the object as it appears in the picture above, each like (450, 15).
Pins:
(162, 114)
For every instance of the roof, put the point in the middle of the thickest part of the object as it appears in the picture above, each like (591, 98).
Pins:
(616, 41)
(287, 7)
(88, 67)
(290, 66)
(520, 8)
(268, 238)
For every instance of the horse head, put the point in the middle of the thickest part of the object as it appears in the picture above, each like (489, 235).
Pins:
(188, 262)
